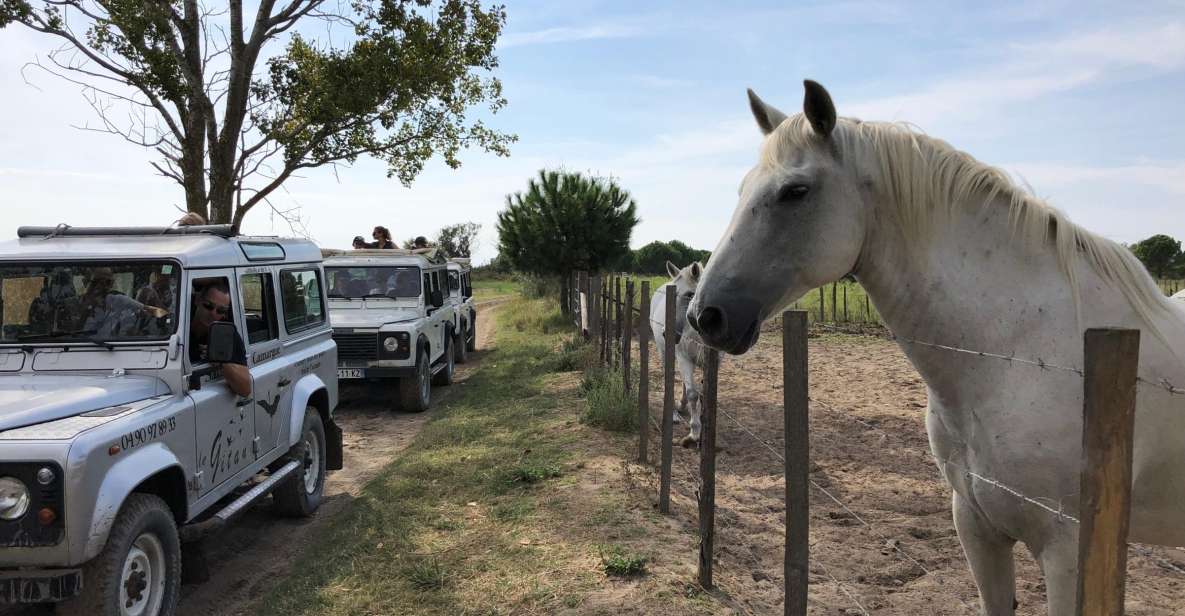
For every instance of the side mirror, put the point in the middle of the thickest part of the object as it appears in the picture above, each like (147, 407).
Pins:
(437, 298)
(222, 342)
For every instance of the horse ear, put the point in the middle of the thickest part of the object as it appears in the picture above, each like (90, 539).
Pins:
(767, 117)
(672, 270)
(819, 109)
(696, 270)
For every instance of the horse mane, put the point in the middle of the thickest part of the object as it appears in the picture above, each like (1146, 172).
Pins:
(927, 179)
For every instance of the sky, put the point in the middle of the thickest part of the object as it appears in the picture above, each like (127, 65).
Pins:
(1081, 101)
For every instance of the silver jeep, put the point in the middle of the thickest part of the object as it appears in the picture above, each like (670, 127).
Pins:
(121, 439)
(392, 320)
(460, 295)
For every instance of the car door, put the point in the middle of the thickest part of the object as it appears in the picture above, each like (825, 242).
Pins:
(265, 356)
(225, 422)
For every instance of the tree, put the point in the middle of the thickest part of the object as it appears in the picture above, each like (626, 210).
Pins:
(1158, 253)
(459, 240)
(564, 222)
(652, 258)
(394, 81)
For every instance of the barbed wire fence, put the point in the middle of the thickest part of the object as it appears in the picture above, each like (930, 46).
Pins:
(595, 304)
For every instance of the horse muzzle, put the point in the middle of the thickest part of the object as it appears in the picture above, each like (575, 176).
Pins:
(732, 328)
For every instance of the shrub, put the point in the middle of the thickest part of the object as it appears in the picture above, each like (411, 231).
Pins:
(608, 406)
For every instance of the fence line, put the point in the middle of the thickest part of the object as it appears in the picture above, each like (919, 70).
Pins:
(1040, 363)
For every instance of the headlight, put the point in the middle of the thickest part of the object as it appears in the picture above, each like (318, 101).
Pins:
(14, 498)
(390, 344)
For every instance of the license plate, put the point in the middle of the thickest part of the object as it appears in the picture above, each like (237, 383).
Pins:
(349, 373)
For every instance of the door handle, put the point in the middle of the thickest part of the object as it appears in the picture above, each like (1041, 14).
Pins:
(285, 382)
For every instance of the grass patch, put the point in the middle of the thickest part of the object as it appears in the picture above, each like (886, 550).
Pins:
(426, 574)
(617, 561)
(609, 406)
(533, 473)
(574, 354)
(486, 289)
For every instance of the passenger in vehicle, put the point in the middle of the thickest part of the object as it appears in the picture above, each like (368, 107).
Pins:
(382, 238)
(107, 313)
(50, 310)
(211, 303)
(160, 292)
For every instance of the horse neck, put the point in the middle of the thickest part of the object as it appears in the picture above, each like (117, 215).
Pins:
(962, 284)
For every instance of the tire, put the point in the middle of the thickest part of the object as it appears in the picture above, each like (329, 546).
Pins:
(445, 376)
(471, 341)
(461, 346)
(415, 392)
(300, 495)
(143, 552)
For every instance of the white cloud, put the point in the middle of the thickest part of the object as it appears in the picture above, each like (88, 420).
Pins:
(567, 35)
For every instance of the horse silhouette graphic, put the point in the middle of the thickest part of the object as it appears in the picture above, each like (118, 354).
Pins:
(270, 407)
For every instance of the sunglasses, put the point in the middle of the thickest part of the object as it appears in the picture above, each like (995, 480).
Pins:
(212, 307)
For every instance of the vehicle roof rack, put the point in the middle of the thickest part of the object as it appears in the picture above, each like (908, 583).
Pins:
(433, 255)
(65, 230)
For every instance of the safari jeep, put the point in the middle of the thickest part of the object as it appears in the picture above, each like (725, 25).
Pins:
(461, 296)
(391, 320)
(121, 439)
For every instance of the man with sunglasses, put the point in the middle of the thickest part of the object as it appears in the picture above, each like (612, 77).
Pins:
(211, 303)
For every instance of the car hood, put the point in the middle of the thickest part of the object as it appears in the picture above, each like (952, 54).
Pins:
(372, 317)
(27, 400)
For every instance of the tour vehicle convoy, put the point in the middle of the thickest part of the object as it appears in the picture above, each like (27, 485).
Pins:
(154, 382)
(392, 320)
(461, 295)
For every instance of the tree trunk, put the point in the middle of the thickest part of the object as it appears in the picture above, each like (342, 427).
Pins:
(566, 295)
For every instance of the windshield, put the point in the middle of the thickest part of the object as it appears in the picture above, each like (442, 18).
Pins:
(357, 282)
(72, 302)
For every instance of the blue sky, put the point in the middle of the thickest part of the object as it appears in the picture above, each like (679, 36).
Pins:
(1081, 100)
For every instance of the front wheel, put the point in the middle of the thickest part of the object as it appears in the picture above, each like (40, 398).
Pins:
(415, 391)
(299, 495)
(138, 573)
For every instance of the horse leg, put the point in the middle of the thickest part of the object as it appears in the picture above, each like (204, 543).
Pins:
(989, 552)
(695, 403)
(1059, 563)
(691, 397)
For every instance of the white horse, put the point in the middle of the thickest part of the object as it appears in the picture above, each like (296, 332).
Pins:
(689, 349)
(953, 253)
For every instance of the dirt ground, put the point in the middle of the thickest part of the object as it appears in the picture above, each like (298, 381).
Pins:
(868, 450)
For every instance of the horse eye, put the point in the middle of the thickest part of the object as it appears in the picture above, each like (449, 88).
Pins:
(792, 192)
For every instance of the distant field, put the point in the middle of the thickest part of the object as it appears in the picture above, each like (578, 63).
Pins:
(485, 289)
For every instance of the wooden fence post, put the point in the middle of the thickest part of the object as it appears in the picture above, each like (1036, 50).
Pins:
(616, 346)
(707, 470)
(594, 309)
(822, 303)
(603, 300)
(644, 373)
(1108, 414)
(845, 303)
(668, 400)
(626, 335)
(796, 411)
(834, 304)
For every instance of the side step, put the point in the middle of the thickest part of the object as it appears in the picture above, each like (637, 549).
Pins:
(195, 532)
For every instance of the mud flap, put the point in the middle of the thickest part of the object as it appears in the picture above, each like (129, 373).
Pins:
(333, 446)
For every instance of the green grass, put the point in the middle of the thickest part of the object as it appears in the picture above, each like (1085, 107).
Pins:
(616, 561)
(487, 289)
(609, 407)
(436, 531)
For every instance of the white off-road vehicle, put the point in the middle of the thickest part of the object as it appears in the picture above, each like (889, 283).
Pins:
(392, 321)
(122, 443)
(461, 296)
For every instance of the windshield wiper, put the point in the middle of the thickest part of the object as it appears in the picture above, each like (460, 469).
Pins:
(88, 333)
(339, 296)
(382, 295)
(57, 333)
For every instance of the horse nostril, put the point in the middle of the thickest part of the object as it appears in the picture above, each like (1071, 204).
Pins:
(710, 321)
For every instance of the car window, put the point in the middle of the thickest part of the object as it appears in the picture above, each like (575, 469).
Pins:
(454, 281)
(300, 290)
(259, 307)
